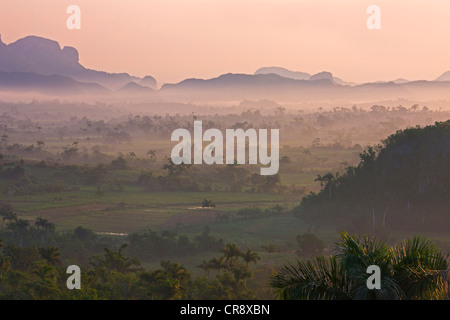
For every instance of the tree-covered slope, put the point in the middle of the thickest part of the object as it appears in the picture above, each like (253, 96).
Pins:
(403, 183)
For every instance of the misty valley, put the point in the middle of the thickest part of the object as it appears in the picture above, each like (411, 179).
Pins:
(239, 146)
(94, 185)
(276, 184)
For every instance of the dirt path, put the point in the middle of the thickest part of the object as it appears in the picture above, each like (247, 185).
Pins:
(191, 217)
(56, 214)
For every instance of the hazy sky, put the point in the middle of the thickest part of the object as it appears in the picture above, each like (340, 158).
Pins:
(176, 39)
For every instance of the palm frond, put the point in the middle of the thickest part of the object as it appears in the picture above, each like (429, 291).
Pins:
(321, 278)
(421, 269)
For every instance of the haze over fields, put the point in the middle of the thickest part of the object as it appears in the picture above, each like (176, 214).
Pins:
(88, 176)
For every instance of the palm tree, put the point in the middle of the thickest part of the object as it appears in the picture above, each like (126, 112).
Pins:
(116, 261)
(176, 270)
(327, 180)
(320, 278)
(230, 252)
(45, 226)
(222, 290)
(218, 264)
(414, 269)
(152, 154)
(270, 248)
(178, 276)
(207, 204)
(44, 271)
(5, 263)
(206, 266)
(241, 274)
(420, 269)
(8, 213)
(250, 256)
(51, 255)
(356, 255)
(21, 226)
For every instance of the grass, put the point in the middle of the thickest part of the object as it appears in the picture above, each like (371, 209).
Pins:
(129, 210)
(133, 209)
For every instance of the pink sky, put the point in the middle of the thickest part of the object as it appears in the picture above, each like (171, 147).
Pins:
(176, 39)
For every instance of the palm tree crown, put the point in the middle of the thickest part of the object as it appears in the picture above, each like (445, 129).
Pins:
(413, 269)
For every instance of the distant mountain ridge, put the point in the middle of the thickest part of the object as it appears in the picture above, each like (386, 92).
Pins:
(320, 86)
(444, 77)
(133, 87)
(39, 64)
(297, 75)
(240, 86)
(50, 84)
(43, 56)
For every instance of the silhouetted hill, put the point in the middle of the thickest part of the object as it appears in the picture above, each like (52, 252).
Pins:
(43, 56)
(133, 87)
(322, 75)
(297, 75)
(444, 77)
(50, 84)
(149, 81)
(273, 86)
(241, 86)
(404, 183)
(284, 73)
(400, 80)
(33, 56)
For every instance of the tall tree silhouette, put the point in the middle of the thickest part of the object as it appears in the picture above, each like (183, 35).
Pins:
(207, 204)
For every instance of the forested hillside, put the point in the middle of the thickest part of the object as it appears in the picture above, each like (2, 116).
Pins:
(403, 183)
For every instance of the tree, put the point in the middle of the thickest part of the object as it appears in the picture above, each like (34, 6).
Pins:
(116, 261)
(45, 226)
(46, 287)
(96, 175)
(170, 282)
(8, 213)
(4, 138)
(207, 204)
(174, 170)
(326, 181)
(420, 269)
(21, 226)
(152, 154)
(179, 275)
(206, 266)
(270, 248)
(4, 264)
(51, 255)
(250, 256)
(217, 264)
(414, 269)
(320, 278)
(271, 182)
(398, 181)
(230, 252)
(119, 164)
(83, 234)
